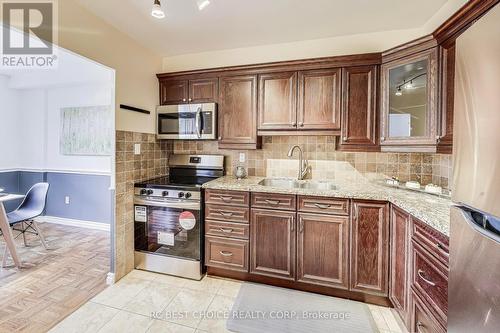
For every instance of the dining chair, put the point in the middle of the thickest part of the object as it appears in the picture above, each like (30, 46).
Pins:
(22, 219)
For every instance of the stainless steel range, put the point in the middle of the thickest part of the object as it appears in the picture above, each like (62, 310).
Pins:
(168, 217)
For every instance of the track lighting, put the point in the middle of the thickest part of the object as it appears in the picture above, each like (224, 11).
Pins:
(202, 4)
(409, 85)
(399, 92)
(157, 11)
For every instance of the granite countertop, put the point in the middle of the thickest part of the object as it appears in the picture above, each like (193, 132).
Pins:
(430, 209)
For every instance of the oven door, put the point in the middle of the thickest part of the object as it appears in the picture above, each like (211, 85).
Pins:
(187, 121)
(169, 228)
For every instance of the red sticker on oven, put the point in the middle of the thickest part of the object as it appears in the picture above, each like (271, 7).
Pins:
(187, 220)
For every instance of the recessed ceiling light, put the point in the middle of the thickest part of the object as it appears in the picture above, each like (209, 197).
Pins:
(202, 4)
(156, 11)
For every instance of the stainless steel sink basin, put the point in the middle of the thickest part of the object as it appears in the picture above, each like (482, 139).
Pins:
(292, 183)
(318, 185)
(279, 182)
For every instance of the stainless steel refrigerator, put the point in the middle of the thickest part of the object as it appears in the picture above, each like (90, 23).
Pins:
(474, 285)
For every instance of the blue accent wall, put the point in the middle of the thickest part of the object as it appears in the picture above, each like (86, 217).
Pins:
(90, 198)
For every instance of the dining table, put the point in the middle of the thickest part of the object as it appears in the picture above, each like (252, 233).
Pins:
(5, 227)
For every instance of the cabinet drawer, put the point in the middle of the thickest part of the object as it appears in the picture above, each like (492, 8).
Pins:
(226, 253)
(422, 320)
(226, 229)
(430, 280)
(323, 205)
(431, 239)
(232, 198)
(273, 201)
(227, 213)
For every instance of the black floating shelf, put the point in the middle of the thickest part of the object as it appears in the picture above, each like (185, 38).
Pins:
(131, 108)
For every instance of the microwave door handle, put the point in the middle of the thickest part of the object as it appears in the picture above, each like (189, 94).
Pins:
(197, 122)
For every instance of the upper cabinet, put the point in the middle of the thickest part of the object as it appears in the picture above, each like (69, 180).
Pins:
(238, 112)
(278, 101)
(188, 91)
(305, 102)
(359, 109)
(410, 105)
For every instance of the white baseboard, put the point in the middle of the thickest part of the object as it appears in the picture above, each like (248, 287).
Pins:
(110, 278)
(74, 223)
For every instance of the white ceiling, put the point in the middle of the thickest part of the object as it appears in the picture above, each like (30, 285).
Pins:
(228, 24)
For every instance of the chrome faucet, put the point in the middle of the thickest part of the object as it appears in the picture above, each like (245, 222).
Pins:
(303, 165)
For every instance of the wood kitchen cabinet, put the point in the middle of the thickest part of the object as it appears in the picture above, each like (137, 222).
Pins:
(188, 91)
(399, 289)
(238, 112)
(272, 243)
(359, 109)
(277, 101)
(319, 97)
(322, 250)
(369, 247)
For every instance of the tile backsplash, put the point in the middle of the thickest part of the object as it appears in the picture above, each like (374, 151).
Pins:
(326, 162)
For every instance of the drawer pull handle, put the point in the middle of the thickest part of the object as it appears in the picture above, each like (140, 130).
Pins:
(420, 327)
(441, 248)
(421, 274)
(226, 230)
(322, 206)
(226, 214)
(301, 225)
(226, 253)
(273, 202)
(226, 199)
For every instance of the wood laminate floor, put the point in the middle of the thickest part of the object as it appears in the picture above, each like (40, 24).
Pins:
(56, 281)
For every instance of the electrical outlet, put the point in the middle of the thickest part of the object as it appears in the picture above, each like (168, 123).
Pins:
(66, 200)
(137, 149)
(242, 157)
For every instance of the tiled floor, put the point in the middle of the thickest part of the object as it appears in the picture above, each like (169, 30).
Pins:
(128, 306)
(56, 281)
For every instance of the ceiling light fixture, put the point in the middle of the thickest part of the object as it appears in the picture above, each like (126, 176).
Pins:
(156, 11)
(399, 92)
(202, 4)
(409, 85)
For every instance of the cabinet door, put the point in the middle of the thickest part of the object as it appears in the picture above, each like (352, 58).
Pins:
(319, 99)
(272, 249)
(173, 91)
(238, 112)
(359, 107)
(399, 289)
(370, 247)
(277, 101)
(409, 102)
(322, 250)
(203, 90)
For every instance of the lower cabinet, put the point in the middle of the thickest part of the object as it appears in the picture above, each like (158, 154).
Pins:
(322, 250)
(399, 291)
(272, 243)
(422, 320)
(370, 247)
(226, 253)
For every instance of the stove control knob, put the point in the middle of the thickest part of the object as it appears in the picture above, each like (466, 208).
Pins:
(164, 193)
(143, 191)
(181, 194)
(150, 192)
(188, 195)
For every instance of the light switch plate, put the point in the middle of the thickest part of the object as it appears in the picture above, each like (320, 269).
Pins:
(242, 157)
(137, 149)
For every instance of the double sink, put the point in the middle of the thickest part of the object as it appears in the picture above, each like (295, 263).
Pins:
(288, 183)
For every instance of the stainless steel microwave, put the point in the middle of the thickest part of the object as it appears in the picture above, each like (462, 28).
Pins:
(187, 121)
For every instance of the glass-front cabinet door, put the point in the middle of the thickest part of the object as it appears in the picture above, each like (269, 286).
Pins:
(409, 103)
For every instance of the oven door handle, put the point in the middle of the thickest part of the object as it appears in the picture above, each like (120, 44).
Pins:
(197, 121)
(191, 205)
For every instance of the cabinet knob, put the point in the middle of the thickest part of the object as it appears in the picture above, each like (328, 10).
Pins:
(301, 124)
(382, 138)
(220, 137)
(344, 138)
(190, 99)
(294, 124)
(183, 99)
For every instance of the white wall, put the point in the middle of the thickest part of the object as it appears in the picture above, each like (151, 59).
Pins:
(9, 99)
